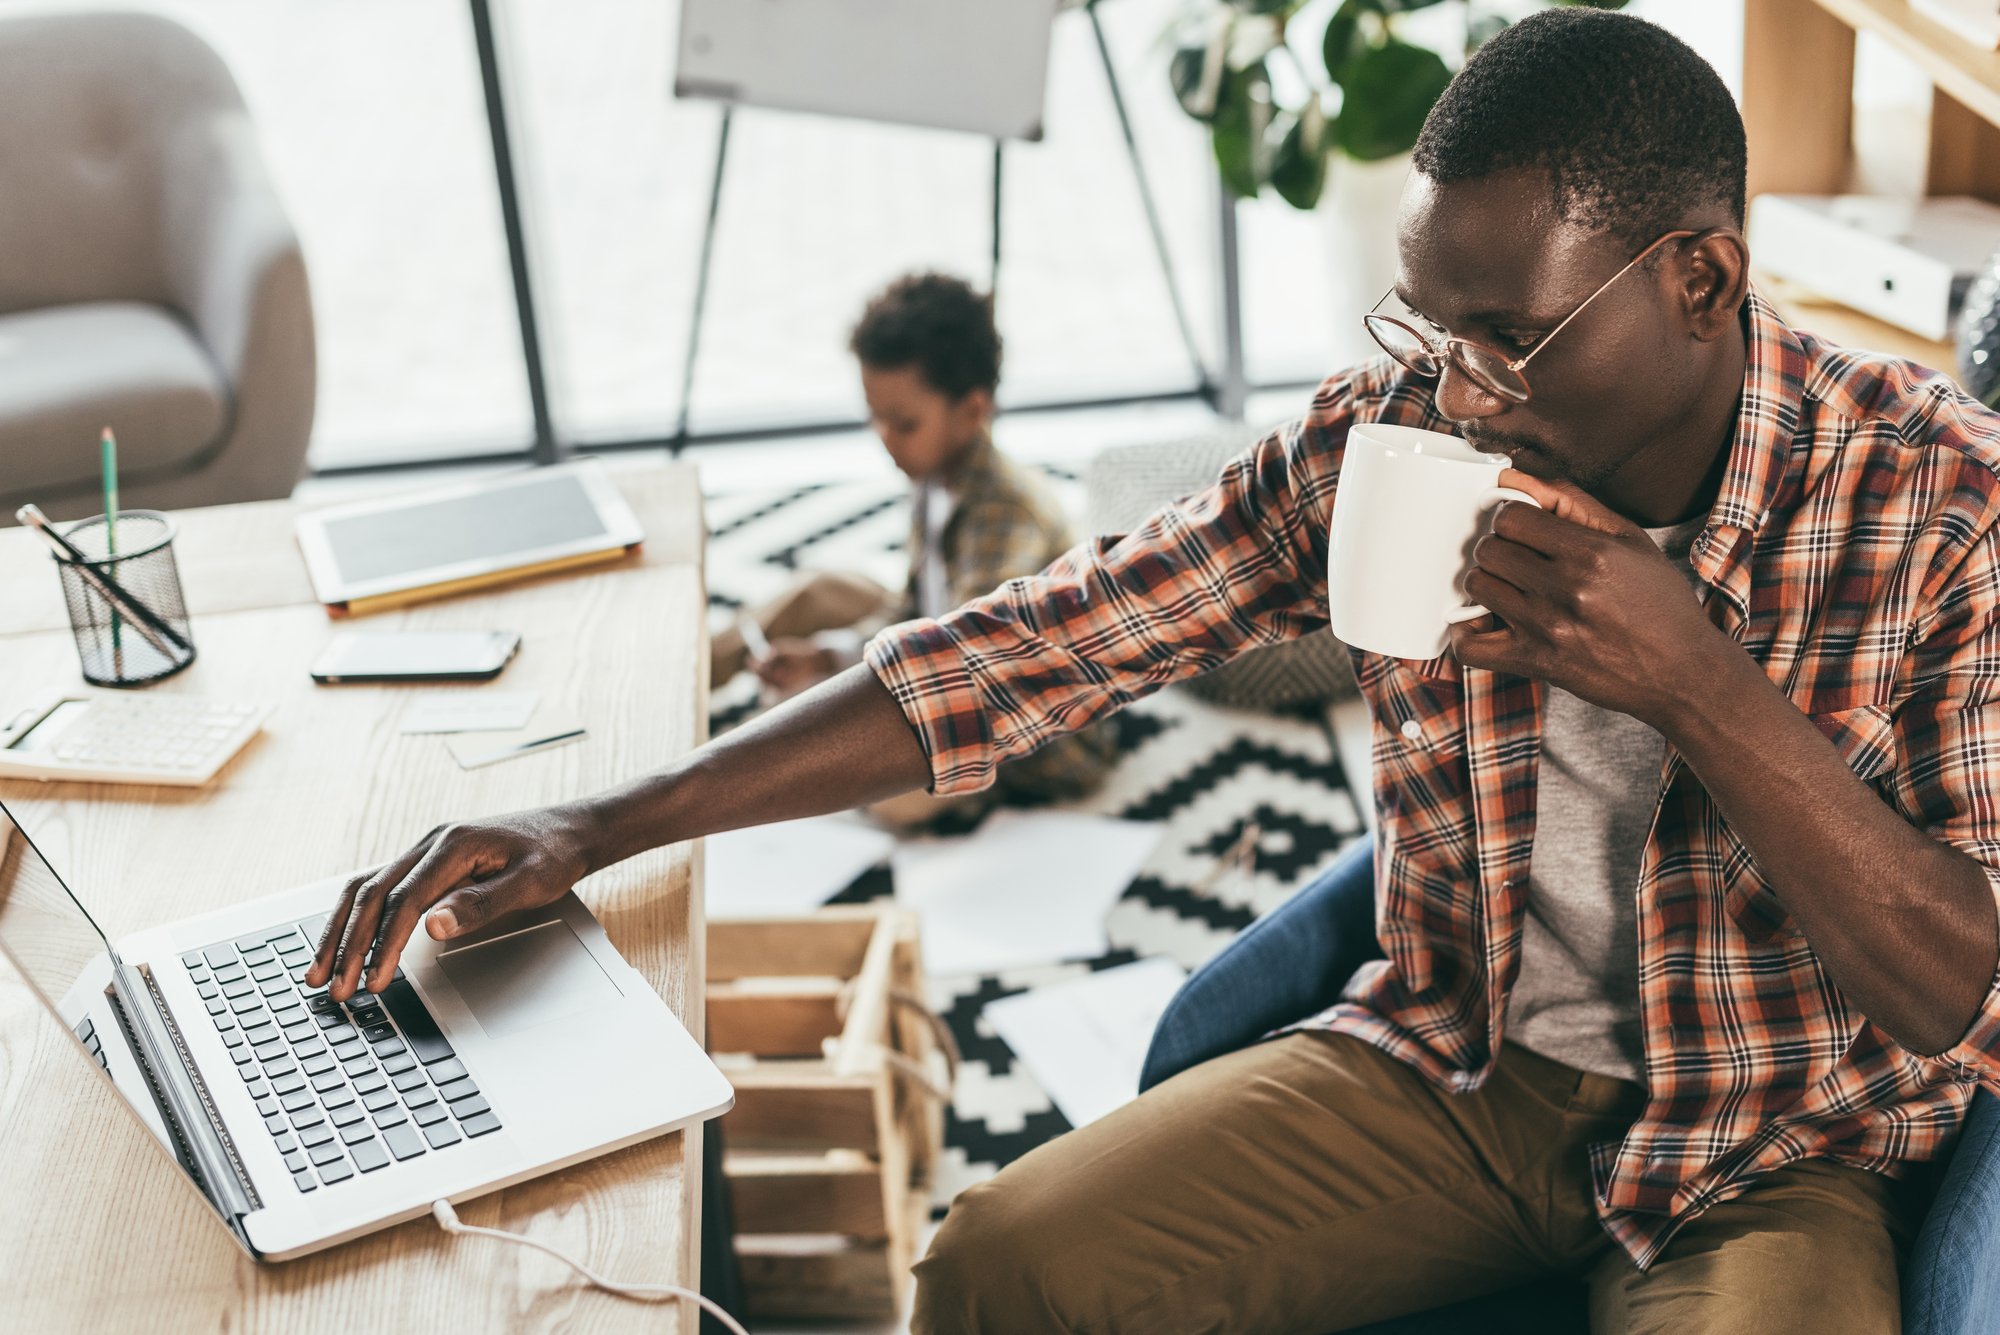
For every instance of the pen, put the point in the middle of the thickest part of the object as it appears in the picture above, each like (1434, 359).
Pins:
(107, 445)
(144, 620)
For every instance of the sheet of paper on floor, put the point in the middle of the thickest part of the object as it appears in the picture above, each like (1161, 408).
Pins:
(1026, 887)
(1084, 1039)
(793, 866)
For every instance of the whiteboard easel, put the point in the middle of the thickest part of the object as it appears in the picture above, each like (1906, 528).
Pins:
(744, 52)
(979, 66)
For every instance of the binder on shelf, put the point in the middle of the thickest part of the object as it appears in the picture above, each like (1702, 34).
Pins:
(1906, 261)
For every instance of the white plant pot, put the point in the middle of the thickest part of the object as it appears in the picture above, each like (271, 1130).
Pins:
(1358, 213)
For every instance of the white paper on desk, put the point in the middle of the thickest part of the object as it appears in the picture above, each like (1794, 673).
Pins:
(551, 727)
(1085, 1039)
(792, 866)
(469, 711)
(1026, 887)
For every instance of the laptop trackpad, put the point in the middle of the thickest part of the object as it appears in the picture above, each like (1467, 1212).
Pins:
(527, 978)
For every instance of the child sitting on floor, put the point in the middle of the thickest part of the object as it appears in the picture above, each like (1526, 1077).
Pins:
(930, 363)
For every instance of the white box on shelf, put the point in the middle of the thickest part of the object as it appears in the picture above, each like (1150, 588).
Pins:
(1906, 261)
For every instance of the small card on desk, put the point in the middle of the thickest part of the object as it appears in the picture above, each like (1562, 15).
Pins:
(551, 728)
(469, 711)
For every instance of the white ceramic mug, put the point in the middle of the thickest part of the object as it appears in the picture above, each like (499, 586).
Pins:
(1407, 510)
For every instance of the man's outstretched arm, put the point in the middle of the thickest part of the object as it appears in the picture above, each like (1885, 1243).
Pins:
(939, 704)
(844, 743)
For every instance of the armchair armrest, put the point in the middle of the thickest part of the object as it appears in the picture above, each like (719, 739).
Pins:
(1951, 1283)
(1287, 965)
(232, 266)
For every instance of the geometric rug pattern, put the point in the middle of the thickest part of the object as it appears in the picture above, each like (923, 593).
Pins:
(1203, 771)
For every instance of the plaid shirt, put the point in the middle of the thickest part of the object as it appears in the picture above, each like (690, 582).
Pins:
(1851, 551)
(1007, 522)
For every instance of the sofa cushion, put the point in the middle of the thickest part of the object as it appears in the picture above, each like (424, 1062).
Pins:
(67, 372)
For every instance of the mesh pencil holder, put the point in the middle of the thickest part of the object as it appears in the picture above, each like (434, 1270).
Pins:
(113, 650)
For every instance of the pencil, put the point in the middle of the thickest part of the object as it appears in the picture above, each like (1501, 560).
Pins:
(753, 637)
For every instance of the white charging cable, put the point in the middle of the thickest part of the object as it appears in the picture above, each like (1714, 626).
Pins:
(449, 1221)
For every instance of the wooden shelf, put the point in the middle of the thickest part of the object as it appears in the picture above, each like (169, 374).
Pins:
(1798, 111)
(1798, 96)
(1957, 66)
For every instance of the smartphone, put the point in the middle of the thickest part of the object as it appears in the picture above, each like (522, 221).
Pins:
(415, 655)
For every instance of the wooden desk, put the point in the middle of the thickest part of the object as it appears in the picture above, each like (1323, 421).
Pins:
(97, 1234)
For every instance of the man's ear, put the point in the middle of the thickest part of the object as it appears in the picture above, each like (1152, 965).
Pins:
(1715, 281)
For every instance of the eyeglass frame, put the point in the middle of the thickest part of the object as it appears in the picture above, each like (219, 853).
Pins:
(1447, 351)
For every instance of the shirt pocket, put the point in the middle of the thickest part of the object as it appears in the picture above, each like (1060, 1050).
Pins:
(1865, 737)
(1423, 715)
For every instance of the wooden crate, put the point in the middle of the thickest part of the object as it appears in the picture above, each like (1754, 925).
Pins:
(830, 1150)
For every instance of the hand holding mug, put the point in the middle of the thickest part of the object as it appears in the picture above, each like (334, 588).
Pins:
(1584, 599)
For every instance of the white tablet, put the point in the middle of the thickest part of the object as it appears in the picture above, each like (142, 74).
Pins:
(447, 538)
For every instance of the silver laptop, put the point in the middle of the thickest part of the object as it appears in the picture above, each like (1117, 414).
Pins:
(305, 1122)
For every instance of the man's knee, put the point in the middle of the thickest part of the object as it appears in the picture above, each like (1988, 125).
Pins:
(989, 1268)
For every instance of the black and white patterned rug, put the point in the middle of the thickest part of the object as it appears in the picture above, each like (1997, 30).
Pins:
(1202, 771)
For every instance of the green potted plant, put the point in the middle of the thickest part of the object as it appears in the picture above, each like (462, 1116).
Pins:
(1325, 116)
(1363, 93)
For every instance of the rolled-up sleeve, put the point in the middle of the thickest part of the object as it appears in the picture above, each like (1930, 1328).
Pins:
(1115, 618)
(1947, 775)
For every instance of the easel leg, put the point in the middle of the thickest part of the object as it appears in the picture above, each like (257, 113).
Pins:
(680, 437)
(994, 283)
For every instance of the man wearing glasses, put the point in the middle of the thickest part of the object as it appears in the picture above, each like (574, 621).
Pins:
(1687, 859)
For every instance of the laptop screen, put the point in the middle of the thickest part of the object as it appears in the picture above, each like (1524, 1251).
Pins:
(56, 943)
(42, 927)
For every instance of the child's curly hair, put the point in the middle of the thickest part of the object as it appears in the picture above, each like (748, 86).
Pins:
(937, 324)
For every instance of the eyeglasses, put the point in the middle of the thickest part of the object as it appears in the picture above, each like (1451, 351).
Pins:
(1486, 368)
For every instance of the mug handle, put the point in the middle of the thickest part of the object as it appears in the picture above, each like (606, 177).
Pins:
(1473, 611)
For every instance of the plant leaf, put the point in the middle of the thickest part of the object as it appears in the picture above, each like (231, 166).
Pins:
(1199, 68)
(1389, 91)
(1344, 41)
(1298, 163)
(1280, 8)
(1241, 122)
(1188, 71)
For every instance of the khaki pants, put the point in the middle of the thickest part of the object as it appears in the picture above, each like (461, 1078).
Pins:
(1313, 1183)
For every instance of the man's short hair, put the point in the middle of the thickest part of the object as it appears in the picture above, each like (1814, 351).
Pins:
(937, 324)
(1637, 130)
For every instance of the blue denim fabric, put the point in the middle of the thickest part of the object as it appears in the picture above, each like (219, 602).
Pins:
(1285, 966)
(1294, 962)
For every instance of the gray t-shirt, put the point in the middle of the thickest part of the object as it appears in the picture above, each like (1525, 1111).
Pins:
(1577, 997)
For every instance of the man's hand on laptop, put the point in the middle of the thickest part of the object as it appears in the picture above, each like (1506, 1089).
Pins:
(463, 875)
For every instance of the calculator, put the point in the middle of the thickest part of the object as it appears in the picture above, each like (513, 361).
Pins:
(87, 737)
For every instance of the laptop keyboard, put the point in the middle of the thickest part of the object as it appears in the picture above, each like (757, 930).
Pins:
(86, 1033)
(343, 1089)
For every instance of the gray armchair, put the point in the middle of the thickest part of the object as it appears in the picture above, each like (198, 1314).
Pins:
(149, 280)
